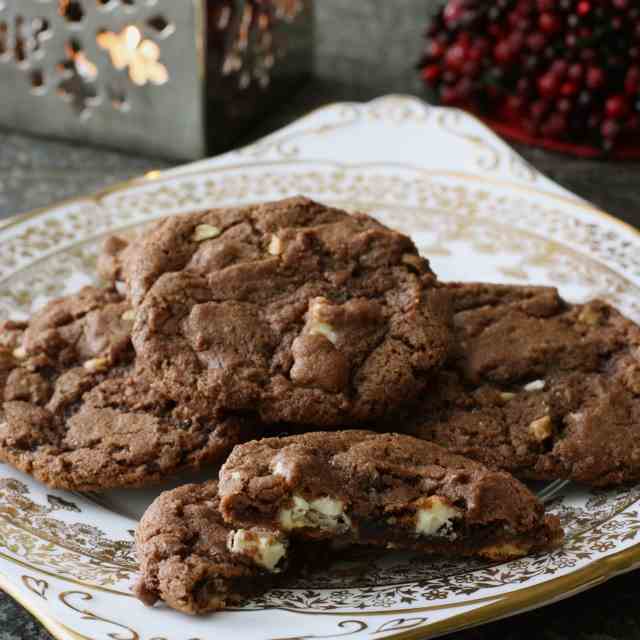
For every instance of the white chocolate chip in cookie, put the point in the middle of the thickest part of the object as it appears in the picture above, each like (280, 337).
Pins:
(264, 548)
(541, 429)
(129, 316)
(97, 364)
(275, 246)
(535, 385)
(205, 232)
(316, 322)
(590, 316)
(435, 516)
(321, 513)
(282, 470)
(20, 353)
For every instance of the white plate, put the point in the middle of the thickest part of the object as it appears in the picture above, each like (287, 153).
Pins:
(472, 206)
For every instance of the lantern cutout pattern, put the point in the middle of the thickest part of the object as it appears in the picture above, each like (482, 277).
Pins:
(96, 55)
(23, 41)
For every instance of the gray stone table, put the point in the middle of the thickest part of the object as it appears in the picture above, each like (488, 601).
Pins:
(365, 48)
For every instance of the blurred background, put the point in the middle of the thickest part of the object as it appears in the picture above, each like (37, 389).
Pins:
(363, 49)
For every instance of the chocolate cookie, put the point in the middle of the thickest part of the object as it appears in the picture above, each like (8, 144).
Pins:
(113, 258)
(193, 561)
(292, 310)
(382, 489)
(75, 415)
(539, 387)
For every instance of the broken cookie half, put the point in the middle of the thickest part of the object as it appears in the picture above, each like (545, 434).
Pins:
(207, 547)
(193, 561)
(385, 490)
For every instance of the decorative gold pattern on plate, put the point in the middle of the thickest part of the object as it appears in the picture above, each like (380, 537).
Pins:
(67, 599)
(39, 587)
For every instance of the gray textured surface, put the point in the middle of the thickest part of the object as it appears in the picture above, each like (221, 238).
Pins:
(365, 48)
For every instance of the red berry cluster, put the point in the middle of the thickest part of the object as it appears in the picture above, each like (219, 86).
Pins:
(563, 69)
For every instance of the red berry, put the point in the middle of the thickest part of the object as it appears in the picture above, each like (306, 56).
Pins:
(455, 56)
(565, 105)
(563, 69)
(583, 8)
(502, 52)
(549, 22)
(536, 41)
(610, 129)
(548, 85)
(568, 89)
(576, 72)
(595, 78)
(436, 49)
(449, 95)
(431, 73)
(632, 81)
(617, 107)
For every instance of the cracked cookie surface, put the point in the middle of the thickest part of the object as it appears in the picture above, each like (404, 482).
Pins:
(75, 415)
(292, 310)
(388, 490)
(537, 386)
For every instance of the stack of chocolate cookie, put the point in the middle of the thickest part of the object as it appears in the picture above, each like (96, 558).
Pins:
(408, 401)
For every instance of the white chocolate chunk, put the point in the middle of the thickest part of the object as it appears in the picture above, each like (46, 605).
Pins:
(205, 232)
(266, 549)
(282, 470)
(97, 364)
(590, 316)
(328, 507)
(20, 353)
(275, 246)
(316, 324)
(321, 513)
(536, 385)
(324, 329)
(541, 429)
(435, 516)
